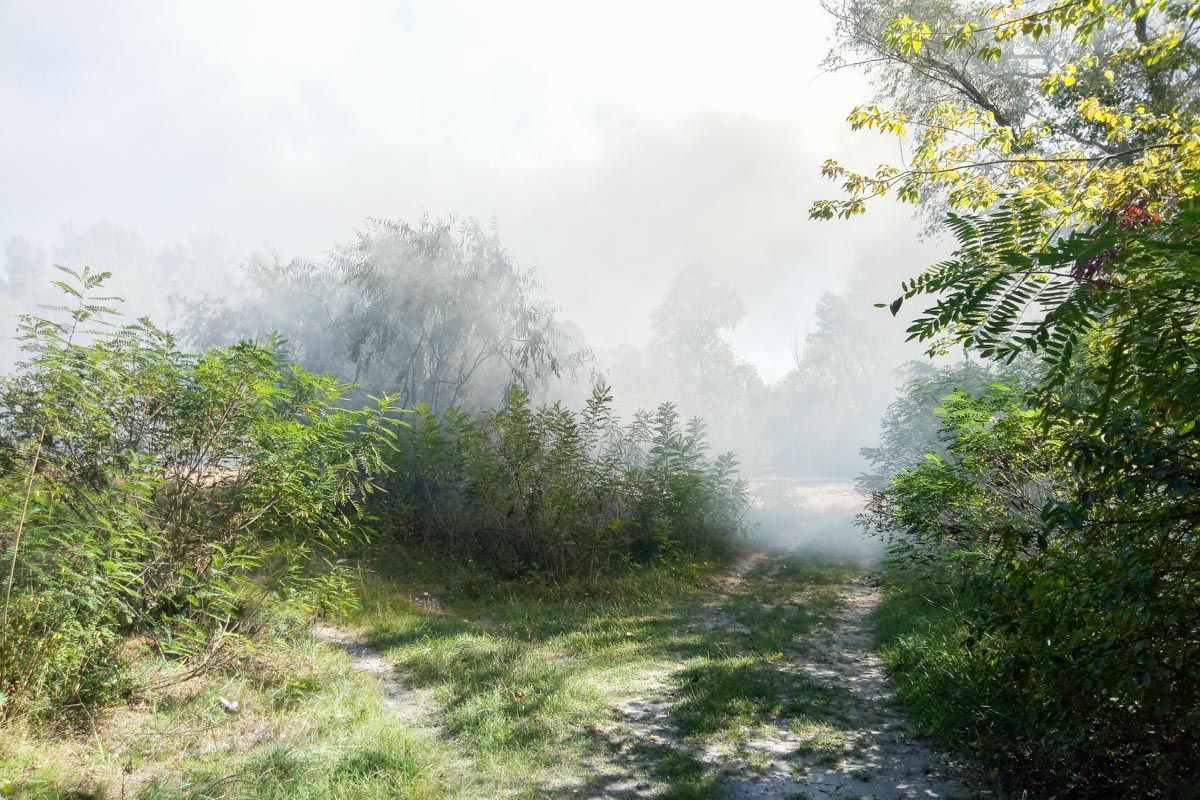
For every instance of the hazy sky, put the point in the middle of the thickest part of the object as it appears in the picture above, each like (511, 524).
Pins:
(612, 143)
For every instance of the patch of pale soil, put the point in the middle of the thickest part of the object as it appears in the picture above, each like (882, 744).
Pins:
(615, 769)
(733, 579)
(415, 707)
(727, 584)
(825, 498)
(881, 758)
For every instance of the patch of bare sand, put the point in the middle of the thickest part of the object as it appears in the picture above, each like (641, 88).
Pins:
(880, 758)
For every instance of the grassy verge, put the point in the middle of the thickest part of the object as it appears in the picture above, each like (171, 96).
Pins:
(740, 678)
(946, 684)
(521, 673)
(307, 727)
(529, 687)
(527, 675)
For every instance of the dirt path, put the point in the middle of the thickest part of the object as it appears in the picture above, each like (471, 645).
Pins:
(416, 708)
(864, 749)
(881, 758)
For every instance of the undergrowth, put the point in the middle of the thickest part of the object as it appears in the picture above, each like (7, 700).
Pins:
(526, 672)
(522, 682)
(307, 726)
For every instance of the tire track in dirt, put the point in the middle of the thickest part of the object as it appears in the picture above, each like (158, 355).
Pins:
(881, 758)
(641, 722)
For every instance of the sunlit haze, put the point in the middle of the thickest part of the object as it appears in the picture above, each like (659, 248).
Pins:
(612, 145)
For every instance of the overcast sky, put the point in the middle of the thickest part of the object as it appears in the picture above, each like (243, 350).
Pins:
(612, 143)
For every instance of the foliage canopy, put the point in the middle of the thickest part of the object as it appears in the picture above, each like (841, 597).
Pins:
(1063, 136)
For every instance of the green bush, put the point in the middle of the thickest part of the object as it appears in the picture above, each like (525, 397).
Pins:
(1034, 620)
(152, 492)
(139, 482)
(570, 495)
(1063, 517)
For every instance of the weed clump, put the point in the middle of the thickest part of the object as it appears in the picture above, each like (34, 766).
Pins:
(569, 496)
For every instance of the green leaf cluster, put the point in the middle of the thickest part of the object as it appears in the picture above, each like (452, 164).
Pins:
(561, 494)
(140, 485)
(1066, 511)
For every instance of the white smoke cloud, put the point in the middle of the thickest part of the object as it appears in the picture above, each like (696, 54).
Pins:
(613, 144)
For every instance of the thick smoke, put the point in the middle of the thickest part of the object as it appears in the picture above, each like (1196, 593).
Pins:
(663, 203)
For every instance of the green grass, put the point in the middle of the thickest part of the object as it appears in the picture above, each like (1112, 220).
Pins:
(818, 737)
(949, 688)
(308, 728)
(524, 678)
(730, 693)
(922, 633)
(742, 677)
(785, 600)
(523, 671)
(1007, 699)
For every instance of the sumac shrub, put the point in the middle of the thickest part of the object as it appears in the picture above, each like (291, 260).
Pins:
(139, 482)
(1067, 641)
(526, 489)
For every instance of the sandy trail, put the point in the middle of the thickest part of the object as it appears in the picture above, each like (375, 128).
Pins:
(882, 758)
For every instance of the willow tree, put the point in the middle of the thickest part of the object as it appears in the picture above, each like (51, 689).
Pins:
(434, 312)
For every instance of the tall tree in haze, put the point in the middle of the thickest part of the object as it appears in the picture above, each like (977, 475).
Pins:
(439, 313)
(435, 312)
(25, 270)
(24, 264)
(692, 325)
(827, 406)
(691, 361)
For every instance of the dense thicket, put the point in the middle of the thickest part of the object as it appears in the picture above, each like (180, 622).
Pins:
(1068, 511)
(438, 312)
(153, 493)
(910, 429)
(569, 495)
(139, 482)
(1071, 639)
(1053, 532)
